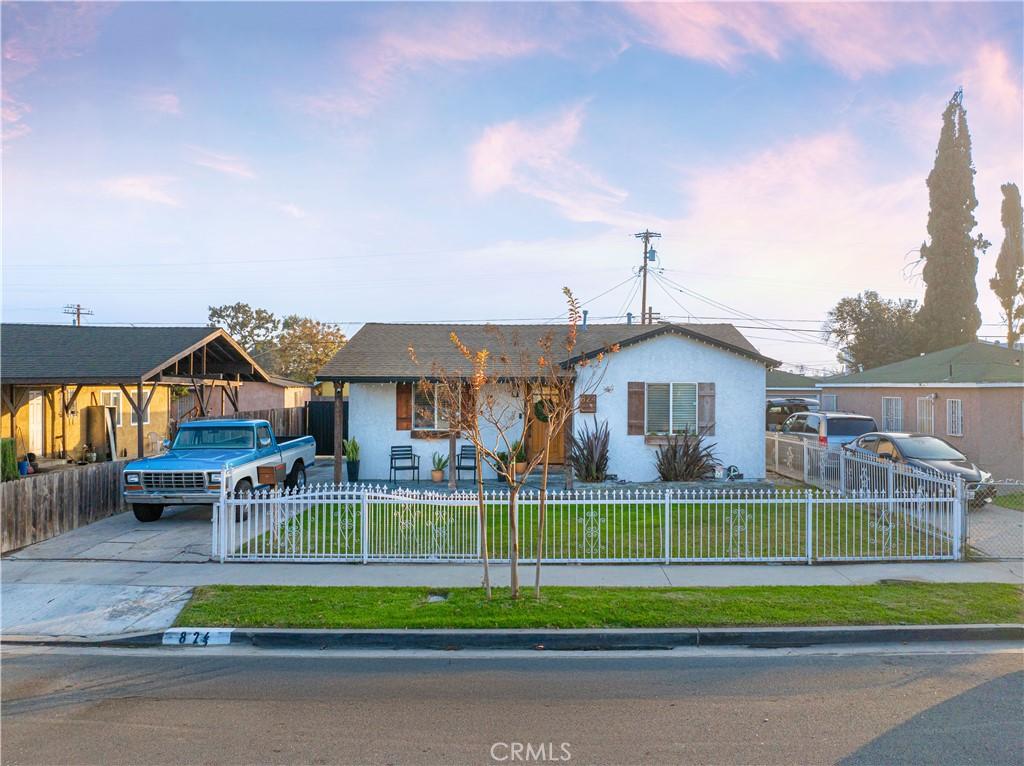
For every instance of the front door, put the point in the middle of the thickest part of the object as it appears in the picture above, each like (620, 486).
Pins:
(35, 422)
(538, 431)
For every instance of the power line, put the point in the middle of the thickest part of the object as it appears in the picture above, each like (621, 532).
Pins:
(649, 255)
(76, 310)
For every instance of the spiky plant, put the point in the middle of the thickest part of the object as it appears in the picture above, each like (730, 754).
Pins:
(588, 452)
(686, 458)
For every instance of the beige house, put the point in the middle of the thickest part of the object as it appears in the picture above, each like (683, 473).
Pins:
(274, 394)
(971, 395)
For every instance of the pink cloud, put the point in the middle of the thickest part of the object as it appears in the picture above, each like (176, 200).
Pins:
(145, 188)
(374, 66)
(35, 33)
(535, 159)
(164, 103)
(294, 211)
(854, 38)
(222, 163)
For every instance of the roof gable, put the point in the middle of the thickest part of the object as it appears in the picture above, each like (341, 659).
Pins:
(31, 353)
(379, 351)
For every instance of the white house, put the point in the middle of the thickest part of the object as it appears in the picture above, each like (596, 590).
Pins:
(665, 378)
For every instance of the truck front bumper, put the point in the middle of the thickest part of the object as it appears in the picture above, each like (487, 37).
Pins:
(184, 498)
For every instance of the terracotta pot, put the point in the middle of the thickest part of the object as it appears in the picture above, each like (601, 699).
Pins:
(437, 476)
(520, 469)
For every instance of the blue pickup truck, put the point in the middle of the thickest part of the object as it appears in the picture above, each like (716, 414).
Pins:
(207, 454)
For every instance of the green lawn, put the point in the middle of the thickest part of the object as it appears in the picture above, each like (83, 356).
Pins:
(1014, 500)
(765, 528)
(340, 607)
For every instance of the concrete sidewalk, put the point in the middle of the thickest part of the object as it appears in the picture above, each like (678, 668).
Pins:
(455, 575)
(102, 598)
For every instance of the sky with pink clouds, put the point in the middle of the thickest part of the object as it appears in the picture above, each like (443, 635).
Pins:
(430, 161)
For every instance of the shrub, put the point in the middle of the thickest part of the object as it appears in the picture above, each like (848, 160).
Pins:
(686, 458)
(8, 460)
(588, 452)
(351, 450)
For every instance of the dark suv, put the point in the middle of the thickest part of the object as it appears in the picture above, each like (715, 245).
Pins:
(777, 409)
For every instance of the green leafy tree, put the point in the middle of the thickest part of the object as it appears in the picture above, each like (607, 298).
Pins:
(949, 314)
(1008, 283)
(255, 329)
(871, 331)
(305, 345)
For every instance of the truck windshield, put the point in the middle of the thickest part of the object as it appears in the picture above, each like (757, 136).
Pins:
(214, 437)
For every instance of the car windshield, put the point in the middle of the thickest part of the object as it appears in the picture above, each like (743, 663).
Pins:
(927, 448)
(214, 437)
(850, 426)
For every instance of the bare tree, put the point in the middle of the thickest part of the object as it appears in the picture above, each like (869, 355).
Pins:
(490, 402)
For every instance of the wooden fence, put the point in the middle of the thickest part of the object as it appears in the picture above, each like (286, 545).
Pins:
(36, 508)
(286, 421)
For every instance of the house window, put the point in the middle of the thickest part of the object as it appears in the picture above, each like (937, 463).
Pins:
(131, 412)
(428, 414)
(925, 415)
(954, 417)
(112, 399)
(892, 413)
(829, 402)
(671, 408)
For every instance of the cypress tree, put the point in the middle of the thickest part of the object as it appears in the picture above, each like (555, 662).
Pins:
(949, 314)
(1008, 283)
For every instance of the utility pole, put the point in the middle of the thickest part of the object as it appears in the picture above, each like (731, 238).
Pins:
(76, 310)
(649, 254)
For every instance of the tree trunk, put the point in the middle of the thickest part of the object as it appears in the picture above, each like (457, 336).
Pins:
(542, 510)
(483, 523)
(513, 540)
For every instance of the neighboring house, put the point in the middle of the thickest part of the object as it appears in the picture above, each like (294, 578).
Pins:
(970, 395)
(665, 378)
(275, 394)
(56, 381)
(782, 383)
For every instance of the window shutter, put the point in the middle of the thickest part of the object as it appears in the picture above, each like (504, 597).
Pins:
(635, 409)
(706, 408)
(403, 407)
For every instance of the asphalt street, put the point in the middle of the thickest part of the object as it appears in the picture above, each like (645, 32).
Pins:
(961, 705)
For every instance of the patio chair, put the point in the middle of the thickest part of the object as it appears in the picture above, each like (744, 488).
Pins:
(403, 459)
(466, 461)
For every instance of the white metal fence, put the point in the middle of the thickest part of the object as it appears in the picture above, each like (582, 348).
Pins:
(378, 524)
(847, 472)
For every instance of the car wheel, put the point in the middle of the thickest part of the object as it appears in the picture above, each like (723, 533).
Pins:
(243, 488)
(147, 513)
(297, 478)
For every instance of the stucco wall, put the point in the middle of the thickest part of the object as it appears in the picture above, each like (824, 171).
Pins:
(372, 424)
(739, 402)
(53, 441)
(992, 429)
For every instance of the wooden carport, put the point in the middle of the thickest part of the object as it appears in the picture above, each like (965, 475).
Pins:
(62, 359)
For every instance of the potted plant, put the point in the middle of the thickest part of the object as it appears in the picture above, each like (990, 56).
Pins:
(519, 456)
(440, 463)
(352, 459)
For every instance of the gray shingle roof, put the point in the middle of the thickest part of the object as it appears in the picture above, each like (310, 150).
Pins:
(379, 351)
(38, 353)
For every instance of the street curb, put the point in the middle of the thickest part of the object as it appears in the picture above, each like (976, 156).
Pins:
(554, 640)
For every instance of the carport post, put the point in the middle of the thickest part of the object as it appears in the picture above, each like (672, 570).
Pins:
(139, 412)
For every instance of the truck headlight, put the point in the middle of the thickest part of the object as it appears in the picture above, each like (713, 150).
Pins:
(213, 477)
(132, 478)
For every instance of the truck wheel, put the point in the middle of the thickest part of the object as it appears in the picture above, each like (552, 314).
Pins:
(297, 478)
(244, 487)
(147, 512)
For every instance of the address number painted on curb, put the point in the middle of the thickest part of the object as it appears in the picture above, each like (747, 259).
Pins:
(197, 636)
